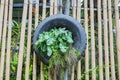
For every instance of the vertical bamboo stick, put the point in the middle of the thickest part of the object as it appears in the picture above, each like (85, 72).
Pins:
(7, 76)
(34, 66)
(100, 41)
(78, 10)
(28, 41)
(86, 29)
(55, 12)
(111, 42)
(106, 40)
(92, 39)
(72, 72)
(4, 40)
(74, 16)
(43, 16)
(79, 18)
(36, 23)
(1, 17)
(51, 7)
(41, 71)
(44, 9)
(51, 13)
(117, 33)
(55, 6)
(74, 8)
(22, 37)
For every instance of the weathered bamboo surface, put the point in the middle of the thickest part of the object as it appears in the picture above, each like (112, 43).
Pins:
(100, 19)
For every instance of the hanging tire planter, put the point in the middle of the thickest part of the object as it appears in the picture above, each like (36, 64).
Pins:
(64, 21)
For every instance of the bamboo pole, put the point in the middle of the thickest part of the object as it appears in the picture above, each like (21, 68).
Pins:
(55, 6)
(92, 39)
(117, 24)
(72, 72)
(22, 38)
(7, 76)
(106, 40)
(111, 42)
(1, 17)
(43, 17)
(51, 13)
(55, 12)
(74, 8)
(78, 10)
(28, 41)
(51, 7)
(4, 40)
(100, 41)
(36, 23)
(79, 18)
(74, 16)
(34, 66)
(86, 29)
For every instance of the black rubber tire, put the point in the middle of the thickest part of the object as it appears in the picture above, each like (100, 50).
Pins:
(60, 20)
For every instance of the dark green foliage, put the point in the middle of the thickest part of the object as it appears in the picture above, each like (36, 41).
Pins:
(56, 40)
(57, 44)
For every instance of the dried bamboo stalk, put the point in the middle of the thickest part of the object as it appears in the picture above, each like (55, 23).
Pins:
(111, 42)
(78, 10)
(51, 7)
(106, 40)
(43, 16)
(51, 13)
(74, 8)
(86, 29)
(1, 17)
(22, 37)
(4, 40)
(41, 71)
(79, 70)
(36, 23)
(74, 16)
(92, 40)
(72, 72)
(34, 66)
(44, 9)
(100, 41)
(79, 18)
(55, 6)
(28, 41)
(7, 75)
(117, 24)
(55, 12)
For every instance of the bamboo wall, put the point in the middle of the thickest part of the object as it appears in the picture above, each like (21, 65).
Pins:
(100, 19)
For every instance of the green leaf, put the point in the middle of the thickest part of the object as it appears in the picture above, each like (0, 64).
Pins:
(69, 39)
(49, 51)
(50, 41)
(63, 48)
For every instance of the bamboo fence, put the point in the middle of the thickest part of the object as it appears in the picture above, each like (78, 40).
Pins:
(101, 60)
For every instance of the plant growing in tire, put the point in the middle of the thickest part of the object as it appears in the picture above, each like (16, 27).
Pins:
(59, 41)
